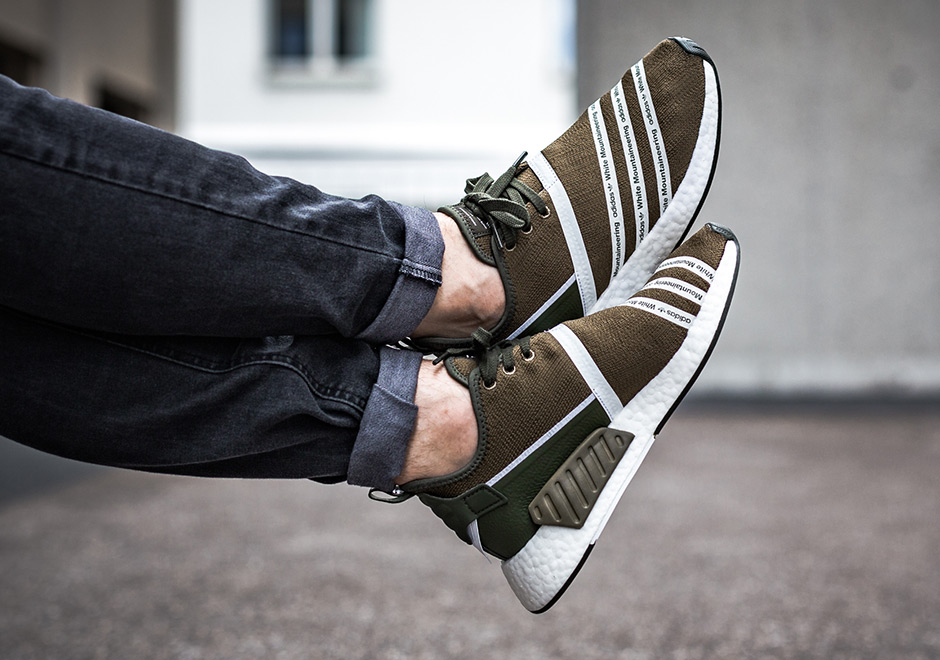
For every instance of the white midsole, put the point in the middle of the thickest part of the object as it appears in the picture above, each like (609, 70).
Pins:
(540, 570)
(667, 231)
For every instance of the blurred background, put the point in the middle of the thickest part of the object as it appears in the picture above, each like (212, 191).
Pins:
(807, 522)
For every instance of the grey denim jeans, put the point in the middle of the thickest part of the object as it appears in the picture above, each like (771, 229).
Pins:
(167, 307)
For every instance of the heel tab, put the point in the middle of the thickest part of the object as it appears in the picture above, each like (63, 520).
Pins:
(723, 231)
(693, 48)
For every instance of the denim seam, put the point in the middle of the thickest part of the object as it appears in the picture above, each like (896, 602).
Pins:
(420, 271)
(202, 205)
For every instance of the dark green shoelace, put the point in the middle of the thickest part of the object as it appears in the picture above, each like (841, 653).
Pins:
(501, 203)
(502, 353)
(489, 357)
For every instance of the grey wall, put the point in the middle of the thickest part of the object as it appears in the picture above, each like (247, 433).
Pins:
(828, 173)
(129, 45)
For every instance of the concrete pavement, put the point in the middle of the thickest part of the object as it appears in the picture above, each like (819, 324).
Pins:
(774, 532)
(25, 471)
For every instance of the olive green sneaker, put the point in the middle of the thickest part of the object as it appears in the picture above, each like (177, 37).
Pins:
(602, 205)
(565, 417)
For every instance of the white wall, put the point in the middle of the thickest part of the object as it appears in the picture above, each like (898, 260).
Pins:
(828, 173)
(452, 92)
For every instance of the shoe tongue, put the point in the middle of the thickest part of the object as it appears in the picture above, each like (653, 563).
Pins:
(460, 367)
(477, 232)
(527, 176)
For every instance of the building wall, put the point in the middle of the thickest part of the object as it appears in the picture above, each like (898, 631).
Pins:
(448, 93)
(127, 46)
(828, 173)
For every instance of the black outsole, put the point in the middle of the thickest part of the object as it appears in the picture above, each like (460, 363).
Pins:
(564, 587)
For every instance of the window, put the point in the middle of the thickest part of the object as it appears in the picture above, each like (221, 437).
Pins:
(352, 29)
(322, 38)
(291, 30)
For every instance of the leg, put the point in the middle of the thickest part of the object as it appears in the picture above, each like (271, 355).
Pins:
(445, 431)
(112, 225)
(276, 407)
(590, 394)
(471, 294)
(100, 231)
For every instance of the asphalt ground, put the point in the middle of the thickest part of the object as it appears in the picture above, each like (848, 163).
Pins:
(749, 532)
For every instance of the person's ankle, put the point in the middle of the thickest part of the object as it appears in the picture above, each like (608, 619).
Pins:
(471, 294)
(445, 435)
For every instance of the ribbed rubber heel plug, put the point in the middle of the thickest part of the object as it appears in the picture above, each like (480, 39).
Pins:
(568, 497)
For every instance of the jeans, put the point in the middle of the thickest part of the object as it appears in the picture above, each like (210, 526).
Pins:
(167, 307)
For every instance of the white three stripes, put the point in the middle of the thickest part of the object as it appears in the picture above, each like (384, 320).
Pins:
(692, 265)
(611, 188)
(660, 162)
(678, 287)
(662, 310)
(637, 182)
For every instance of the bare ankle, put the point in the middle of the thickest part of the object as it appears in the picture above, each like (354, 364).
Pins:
(445, 435)
(471, 294)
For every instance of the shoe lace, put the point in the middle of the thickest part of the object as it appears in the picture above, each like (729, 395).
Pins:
(502, 202)
(480, 342)
(489, 356)
(501, 354)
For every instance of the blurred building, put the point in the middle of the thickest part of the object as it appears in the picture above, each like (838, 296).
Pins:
(114, 54)
(828, 171)
(403, 99)
(830, 142)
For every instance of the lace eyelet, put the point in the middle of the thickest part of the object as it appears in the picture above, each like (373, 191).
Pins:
(526, 231)
(548, 213)
(490, 386)
(528, 357)
(509, 373)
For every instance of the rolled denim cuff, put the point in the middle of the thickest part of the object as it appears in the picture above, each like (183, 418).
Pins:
(419, 278)
(387, 423)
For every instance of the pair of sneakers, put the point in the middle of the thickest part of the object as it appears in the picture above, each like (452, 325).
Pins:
(609, 318)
